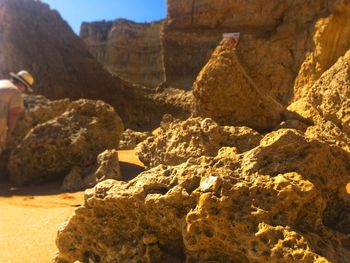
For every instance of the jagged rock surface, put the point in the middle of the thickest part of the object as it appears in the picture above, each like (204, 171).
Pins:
(275, 39)
(331, 39)
(106, 167)
(283, 201)
(128, 49)
(224, 92)
(176, 141)
(38, 109)
(74, 138)
(326, 105)
(130, 139)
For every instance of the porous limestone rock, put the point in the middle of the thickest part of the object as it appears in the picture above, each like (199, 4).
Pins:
(130, 139)
(74, 138)
(106, 167)
(224, 92)
(331, 39)
(37, 110)
(326, 104)
(176, 141)
(283, 201)
(130, 50)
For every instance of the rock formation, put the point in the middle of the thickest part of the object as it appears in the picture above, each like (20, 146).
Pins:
(283, 201)
(130, 139)
(38, 109)
(59, 60)
(275, 38)
(176, 141)
(331, 39)
(106, 167)
(223, 91)
(74, 138)
(128, 49)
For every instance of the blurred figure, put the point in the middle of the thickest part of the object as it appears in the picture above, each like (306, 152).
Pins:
(11, 102)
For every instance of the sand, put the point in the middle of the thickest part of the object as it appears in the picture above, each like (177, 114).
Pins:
(30, 216)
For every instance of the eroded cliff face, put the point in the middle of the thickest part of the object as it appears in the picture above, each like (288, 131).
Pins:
(275, 38)
(36, 38)
(128, 49)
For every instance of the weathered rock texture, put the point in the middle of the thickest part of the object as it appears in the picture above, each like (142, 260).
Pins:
(130, 139)
(128, 49)
(74, 138)
(275, 38)
(331, 39)
(58, 59)
(283, 201)
(106, 167)
(225, 92)
(38, 109)
(176, 141)
(326, 105)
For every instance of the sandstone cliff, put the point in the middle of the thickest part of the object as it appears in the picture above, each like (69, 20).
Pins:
(36, 38)
(128, 49)
(275, 38)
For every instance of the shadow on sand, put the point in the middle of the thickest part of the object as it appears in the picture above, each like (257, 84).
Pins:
(8, 189)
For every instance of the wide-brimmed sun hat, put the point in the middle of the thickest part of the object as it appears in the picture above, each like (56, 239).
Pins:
(24, 77)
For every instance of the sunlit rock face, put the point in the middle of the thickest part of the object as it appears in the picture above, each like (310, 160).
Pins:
(276, 39)
(177, 141)
(225, 92)
(127, 49)
(74, 138)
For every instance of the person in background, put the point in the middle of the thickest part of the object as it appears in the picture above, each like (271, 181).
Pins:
(11, 102)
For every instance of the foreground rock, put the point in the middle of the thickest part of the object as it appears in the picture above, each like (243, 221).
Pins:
(176, 141)
(224, 92)
(74, 138)
(283, 201)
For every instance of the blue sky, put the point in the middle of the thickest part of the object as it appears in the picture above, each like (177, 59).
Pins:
(77, 11)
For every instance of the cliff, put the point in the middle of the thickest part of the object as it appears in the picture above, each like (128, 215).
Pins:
(275, 38)
(36, 38)
(128, 49)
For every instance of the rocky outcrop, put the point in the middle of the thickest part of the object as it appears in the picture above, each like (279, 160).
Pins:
(74, 138)
(130, 139)
(224, 92)
(283, 201)
(58, 59)
(106, 167)
(176, 141)
(326, 105)
(275, 39)
(128, 49)
(38, 109)
(331, 39)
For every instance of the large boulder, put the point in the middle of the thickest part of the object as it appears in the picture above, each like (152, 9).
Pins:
(176, 141)
(283, 201)
(74, 138)
(224, 92)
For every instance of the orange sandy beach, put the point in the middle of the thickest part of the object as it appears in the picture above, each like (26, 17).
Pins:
(30, 216)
